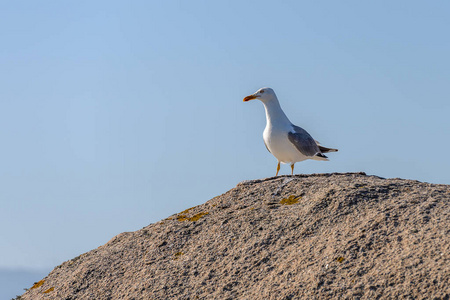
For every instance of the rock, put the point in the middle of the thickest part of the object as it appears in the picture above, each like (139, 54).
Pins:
(320, 236)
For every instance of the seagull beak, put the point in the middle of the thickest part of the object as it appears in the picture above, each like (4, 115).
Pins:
(248, 98)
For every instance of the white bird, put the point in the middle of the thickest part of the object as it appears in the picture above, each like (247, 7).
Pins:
(287, 142)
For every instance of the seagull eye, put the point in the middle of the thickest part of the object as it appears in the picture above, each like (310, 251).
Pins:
(261, 91)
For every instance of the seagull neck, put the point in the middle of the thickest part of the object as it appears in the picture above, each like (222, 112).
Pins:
(274, 113)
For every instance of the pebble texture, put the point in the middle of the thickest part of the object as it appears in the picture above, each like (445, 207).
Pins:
(320, 236)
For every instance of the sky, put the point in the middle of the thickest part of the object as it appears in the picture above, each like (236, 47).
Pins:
(116, 114)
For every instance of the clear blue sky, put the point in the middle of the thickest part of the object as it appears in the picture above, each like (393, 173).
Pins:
(116, 114)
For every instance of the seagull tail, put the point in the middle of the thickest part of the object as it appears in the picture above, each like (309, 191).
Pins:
(326, 150)
(320, 156)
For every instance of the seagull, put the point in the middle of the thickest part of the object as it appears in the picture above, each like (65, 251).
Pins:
(287, 142)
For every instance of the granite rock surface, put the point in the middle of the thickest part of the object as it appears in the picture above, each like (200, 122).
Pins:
(319, 236)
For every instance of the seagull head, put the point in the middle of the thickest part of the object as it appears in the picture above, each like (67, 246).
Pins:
(264, 94)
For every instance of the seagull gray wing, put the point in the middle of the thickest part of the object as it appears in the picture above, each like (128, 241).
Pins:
(303, 141)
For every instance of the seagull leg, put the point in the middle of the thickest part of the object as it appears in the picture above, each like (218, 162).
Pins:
(278, 169)
(292, 168)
